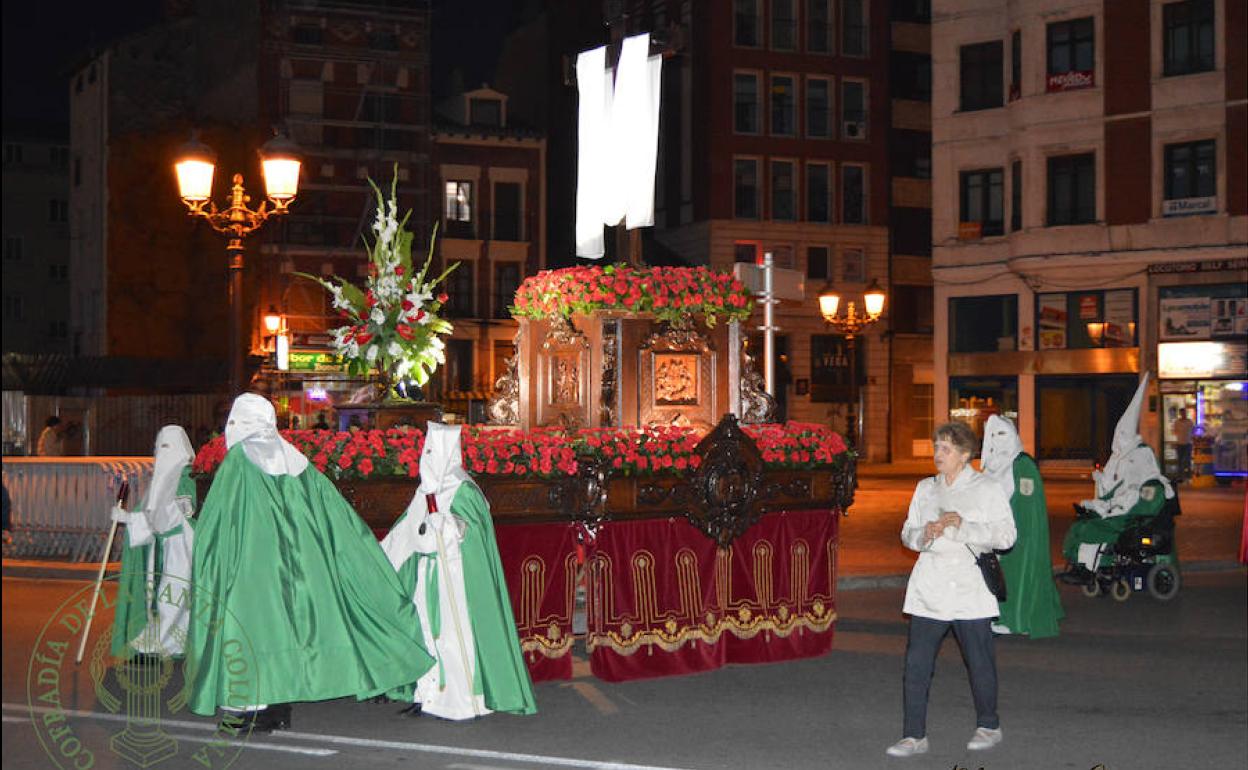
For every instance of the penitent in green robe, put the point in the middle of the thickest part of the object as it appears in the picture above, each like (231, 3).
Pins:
(134, 606)
(500, 674)
(1108, 530)
(294, 599)
(1033, 606)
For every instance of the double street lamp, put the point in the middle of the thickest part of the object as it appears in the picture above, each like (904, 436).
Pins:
(850, 325)
(195, 166)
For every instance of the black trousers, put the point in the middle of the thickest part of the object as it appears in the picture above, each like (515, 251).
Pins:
(975, 639)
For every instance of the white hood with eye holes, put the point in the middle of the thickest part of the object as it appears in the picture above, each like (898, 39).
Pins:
(253, 423)
(1001, 445)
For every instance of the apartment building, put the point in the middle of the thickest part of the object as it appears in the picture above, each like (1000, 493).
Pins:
(36, 240)
(1090, 219)
(491, 176)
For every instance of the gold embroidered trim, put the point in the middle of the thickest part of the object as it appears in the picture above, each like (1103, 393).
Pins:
(744, 624)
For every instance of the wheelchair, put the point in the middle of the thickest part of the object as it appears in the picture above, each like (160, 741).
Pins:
(1143, 558)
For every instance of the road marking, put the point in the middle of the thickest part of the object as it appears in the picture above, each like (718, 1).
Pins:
(596, 697)
(372, 743)
(184, 737)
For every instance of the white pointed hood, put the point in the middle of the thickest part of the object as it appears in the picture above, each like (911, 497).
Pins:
(1001, 445)
(253, 423)
(1127, 432)
(441, 474)
(173, 453)
(441, 460)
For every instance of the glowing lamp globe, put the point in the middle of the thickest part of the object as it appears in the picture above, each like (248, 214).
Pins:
(279, 159)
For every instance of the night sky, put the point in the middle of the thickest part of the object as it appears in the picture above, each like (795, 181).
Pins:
(44, 40)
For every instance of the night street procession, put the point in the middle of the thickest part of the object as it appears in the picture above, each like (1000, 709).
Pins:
(726, 385)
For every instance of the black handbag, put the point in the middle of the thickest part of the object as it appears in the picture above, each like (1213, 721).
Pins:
(990, 567)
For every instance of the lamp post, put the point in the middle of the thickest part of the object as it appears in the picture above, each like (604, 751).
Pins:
(195, 166)
(851, 324)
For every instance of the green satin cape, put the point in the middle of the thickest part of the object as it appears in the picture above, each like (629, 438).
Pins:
(291, 585)
(1034, 606)
(130, 615)
(500, 674)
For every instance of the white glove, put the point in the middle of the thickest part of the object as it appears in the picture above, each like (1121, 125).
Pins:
(120, 515)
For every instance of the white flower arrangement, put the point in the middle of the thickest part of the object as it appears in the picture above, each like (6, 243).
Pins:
(392, 325)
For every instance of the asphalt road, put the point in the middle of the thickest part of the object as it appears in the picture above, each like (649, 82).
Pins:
(1134, 685)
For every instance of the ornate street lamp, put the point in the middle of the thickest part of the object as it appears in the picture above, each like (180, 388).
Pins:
(195, 165)
(850, 325)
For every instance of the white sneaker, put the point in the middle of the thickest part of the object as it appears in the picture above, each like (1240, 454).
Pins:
(997, 628)
(907, 747)
(984, 738)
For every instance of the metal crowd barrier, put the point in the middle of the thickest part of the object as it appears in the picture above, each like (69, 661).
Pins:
(61, 504)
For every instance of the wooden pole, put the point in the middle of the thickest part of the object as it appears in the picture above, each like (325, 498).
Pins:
(95, 595)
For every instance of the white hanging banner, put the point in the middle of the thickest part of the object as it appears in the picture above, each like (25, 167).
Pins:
(618, 142)
(594, 89)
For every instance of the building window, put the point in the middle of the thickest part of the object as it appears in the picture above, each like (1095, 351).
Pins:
(829, 368)
(460, 222)
(306, 34)
(59, 158)
(1075, 416)
(1188, 40)
(461, 295)
(13, 308)
(910, 75)
(854, 266)
(853, 194)
(749, 252)
(746, 23)
(911, 227)
(485, 112)
(819, 26)
(58, 273)
(383, 40)
(983, 324)
(981, 76)
(912, 309)
(1071, 56)
(783, 192)
(783, 26)
(508, 212)
(973, 400)
(745, 188)
(506, 281)
(13, 247)
(782, 255)
(1016, 64)
(1072, 189)
(783, 106)
(459, 364)
(853, 28)
(12, 153)
(1086, 319)
(817, 267)
(818, 192)
(818, 108)
(853, 109)
(58, 211)
(745, 103)
(380, 108)
(1191, 178)
(982, 196)
(1016, 196)
(58, 330)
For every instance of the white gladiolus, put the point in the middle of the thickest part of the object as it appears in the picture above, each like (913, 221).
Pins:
(371, 354)
(378, 316)
(394, 349)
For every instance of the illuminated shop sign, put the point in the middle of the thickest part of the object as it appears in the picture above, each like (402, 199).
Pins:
(1194, 360)
(1181, 207)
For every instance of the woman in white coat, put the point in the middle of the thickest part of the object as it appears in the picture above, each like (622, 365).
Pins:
(954, 516)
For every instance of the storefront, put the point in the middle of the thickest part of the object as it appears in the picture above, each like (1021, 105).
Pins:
(1076, 415)
(1202, 362)
(974, 399)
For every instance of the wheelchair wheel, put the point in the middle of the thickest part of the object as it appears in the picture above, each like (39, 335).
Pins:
(1091, 589)
(1120, 590)
(1163, 582)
